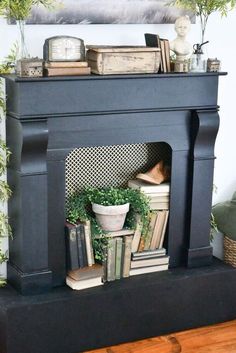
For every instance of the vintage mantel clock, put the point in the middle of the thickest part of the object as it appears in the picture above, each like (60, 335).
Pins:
(64, 48)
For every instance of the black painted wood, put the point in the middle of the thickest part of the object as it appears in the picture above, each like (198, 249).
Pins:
(46, 119)
(89, 94)
(65, 321)
(49, 117)
(205, 126)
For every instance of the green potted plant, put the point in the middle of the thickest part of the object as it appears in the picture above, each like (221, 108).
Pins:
(204, 8)
(81, 205)
(110, 207)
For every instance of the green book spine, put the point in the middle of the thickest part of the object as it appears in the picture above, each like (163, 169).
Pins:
(118, 273)
(111, 260)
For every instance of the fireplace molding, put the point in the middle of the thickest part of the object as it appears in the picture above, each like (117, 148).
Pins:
(49, 117)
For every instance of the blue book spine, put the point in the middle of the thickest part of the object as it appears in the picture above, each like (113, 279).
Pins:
(71, 247)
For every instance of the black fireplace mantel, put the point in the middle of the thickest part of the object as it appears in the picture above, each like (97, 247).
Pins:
(46, 119)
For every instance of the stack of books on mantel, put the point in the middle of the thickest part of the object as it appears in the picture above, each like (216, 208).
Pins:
(66, 68)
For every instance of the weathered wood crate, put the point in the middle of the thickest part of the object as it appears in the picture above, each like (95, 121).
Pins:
(105, 60)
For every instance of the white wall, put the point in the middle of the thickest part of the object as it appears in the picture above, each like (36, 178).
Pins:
(222, 36)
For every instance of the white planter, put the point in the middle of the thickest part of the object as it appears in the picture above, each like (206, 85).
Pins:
(110, 218)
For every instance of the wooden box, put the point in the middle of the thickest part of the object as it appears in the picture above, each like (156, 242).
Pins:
(105, 60)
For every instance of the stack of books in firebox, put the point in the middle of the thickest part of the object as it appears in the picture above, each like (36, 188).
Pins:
(118, 255)
(82, 270)
(79, 249)
(66, 68)
(159, 195)
(149, 261)
(148, 253)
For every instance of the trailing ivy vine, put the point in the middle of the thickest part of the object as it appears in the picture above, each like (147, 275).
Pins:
(5, 191)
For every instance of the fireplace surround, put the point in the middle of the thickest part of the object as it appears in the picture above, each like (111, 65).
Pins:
(46, 119)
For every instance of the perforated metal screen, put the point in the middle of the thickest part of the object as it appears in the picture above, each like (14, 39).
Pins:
(105, 166)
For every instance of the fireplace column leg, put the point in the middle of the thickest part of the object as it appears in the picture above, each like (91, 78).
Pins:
(28, 207)
(204, 130)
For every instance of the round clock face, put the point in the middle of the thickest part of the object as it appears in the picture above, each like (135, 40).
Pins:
(65, 49)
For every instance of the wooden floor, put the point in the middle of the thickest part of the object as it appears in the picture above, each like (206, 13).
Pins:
(219, 338)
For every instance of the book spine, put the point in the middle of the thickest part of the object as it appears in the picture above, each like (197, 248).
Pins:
(156, 252)
(127, 255)
(70, 71)
(167, 51)
(163, 55)
(164, 229)
(88, 241)
(82, 232)
(158, 198)
(141, 244)
(119, 242)
(154, 206)
(162, 260)
(150, 269)
(162, 188)
(65, 64)
(80, 247)
(145, 257)
(137, 234)
(150, 230)
(71, 247)
(111, 260)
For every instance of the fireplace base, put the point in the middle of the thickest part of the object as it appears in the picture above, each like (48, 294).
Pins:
(138, 307)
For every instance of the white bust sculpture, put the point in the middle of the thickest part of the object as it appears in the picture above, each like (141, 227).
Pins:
(179, 45)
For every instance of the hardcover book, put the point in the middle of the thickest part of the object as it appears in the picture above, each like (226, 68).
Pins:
(137, 234)
(82, 253)
(83, 284)
(86, 277)
(118, 269)
(88, 243)
(162, 260)
(87, 272)
(157, 232)
(71, 246)
(65, 64)
(148, 188)
(159, 205)
(163, 230)
(67, 71)
(127, 255)
(151, 227)
(148, 254)
(111, 260)
(140, 271)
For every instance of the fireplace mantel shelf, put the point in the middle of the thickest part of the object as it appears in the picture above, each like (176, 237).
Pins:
(49, 117)
(109, 77)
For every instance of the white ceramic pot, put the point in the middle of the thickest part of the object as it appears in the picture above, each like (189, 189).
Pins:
(110, 218)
